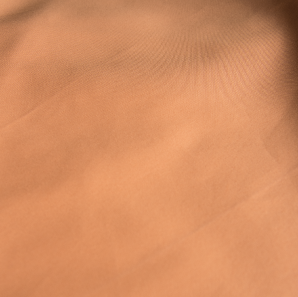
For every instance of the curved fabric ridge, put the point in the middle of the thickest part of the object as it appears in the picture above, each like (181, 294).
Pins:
(148, 148)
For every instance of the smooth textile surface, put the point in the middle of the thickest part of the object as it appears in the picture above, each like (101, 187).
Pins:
(148, 148)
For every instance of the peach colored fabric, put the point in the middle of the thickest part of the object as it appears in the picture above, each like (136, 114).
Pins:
(148, 148)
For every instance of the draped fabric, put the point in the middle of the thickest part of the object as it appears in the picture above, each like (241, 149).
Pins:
(148, 148)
